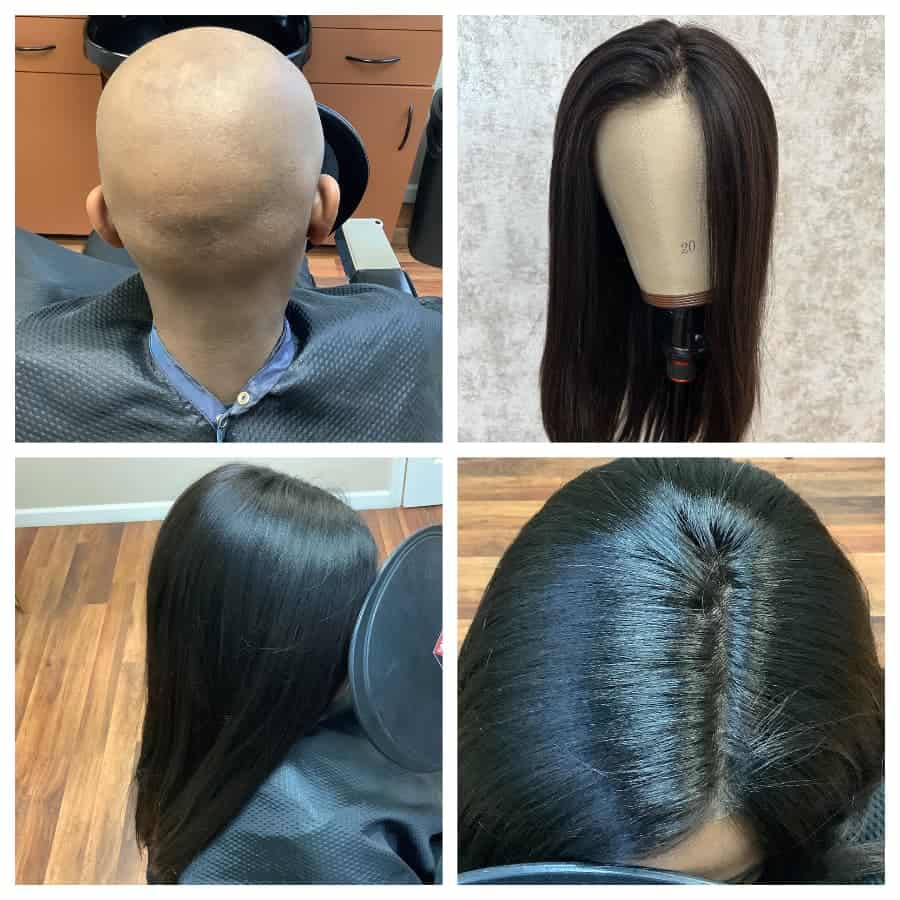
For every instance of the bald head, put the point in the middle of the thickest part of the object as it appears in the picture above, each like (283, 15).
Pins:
(210, 150)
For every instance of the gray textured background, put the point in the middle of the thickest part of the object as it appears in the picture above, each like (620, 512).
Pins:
(823, 350)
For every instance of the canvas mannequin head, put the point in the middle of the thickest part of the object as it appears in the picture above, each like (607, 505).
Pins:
(651, 170)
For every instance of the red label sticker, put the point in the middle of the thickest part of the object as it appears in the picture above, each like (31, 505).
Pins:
(439, 650)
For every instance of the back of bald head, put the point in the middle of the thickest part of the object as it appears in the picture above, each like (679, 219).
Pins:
(210, 149)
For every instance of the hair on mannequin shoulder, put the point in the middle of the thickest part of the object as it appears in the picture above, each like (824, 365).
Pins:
(603, 372)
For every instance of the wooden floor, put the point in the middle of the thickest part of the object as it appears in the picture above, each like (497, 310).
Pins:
(326, 268)
(497, 497)
(79, 692)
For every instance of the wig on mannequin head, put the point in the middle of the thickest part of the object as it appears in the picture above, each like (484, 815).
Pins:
(603, 373)
(665, 644)
(254, 588)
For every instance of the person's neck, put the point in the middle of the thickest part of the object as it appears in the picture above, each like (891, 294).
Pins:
(221, 342)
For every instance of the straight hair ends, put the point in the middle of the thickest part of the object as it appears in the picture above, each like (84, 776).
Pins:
(603, 373)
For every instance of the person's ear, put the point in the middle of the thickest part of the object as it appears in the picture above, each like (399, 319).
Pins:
(324, 209)
(100, 219)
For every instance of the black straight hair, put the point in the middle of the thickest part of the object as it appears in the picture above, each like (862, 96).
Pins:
(603, 373)
(254, 588)
(667, 642)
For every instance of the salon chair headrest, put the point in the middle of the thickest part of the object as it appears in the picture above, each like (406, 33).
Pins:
(395, 662)
(574, 873)
(345, 160)
(109, 40)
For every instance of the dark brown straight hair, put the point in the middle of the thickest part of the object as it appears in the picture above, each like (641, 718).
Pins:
(603, 373)
(255, 584)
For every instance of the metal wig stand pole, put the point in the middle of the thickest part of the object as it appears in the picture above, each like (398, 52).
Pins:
(677, 417)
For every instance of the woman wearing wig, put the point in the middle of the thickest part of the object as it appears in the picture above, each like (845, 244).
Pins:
(252, 766)
(672, 668)
(662, 197)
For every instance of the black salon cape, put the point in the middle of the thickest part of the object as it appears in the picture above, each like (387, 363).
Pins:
(868, 827)
(335, 811)
(368, 369)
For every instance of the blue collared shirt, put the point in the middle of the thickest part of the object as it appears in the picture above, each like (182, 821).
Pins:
(208, 405)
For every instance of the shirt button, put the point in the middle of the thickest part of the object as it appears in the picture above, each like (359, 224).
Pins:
(243, 398)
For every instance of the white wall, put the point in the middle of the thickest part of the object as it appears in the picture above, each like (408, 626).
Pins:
(69, 491)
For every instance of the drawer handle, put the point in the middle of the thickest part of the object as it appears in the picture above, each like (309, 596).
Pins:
(373, 62)
(42, 49)
(409, 118)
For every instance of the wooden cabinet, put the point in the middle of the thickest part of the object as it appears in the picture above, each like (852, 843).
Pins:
(57, 91)
(63, 39)
(386, 101)
(409, 56)
(396, 23)
(382, 114)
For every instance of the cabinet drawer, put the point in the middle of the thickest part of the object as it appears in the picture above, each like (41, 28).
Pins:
(397, 23)
(419, 55)
(66, 35)
(56, 151)
(380, 114)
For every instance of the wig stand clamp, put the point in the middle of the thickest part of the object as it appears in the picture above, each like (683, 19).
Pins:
(685, 349)
(686, 345)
